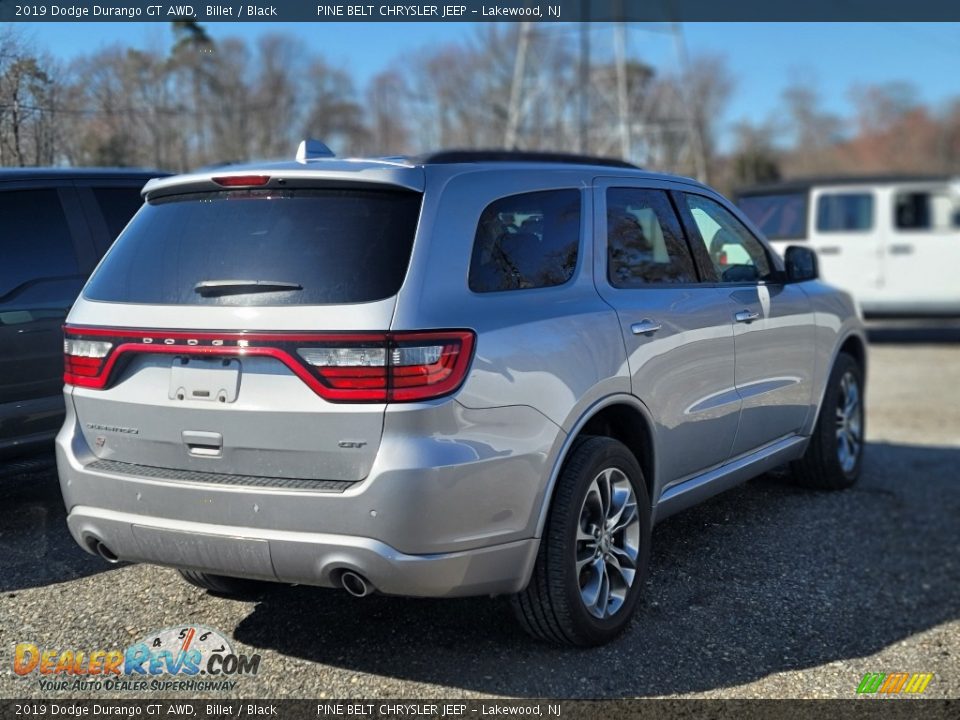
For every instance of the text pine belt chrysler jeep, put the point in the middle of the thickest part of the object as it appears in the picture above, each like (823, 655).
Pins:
(469, 373)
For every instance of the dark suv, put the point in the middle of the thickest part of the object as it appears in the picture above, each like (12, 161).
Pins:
(56, 224)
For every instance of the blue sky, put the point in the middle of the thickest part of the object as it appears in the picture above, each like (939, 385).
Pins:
(763, 57)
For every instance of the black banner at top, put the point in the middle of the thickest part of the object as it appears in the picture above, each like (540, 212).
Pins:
(546, 11)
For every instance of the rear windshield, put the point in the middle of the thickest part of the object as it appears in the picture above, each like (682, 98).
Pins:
(304, 247)
(780, 216)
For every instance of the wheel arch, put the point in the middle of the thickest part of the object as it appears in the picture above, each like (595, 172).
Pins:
(856, 347)
(621, 417)
(854, 344)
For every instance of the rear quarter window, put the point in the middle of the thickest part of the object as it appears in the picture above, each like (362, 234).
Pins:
(936, 210)
(526, 241)
(338, 246)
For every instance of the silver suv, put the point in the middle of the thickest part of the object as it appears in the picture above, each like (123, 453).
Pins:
(458, 374)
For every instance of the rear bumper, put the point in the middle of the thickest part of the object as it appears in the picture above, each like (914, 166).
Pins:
(449, 509)
(299, 557)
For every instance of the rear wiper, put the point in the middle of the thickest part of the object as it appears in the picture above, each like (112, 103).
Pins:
(238, 287)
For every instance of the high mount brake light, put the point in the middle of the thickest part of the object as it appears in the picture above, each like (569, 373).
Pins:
(242, 180)
(354, 367)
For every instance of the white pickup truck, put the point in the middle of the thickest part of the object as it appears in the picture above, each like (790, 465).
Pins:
(891, 241)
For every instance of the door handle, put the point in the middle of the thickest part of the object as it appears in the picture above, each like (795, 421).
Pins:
(829, 250)
(747, 316)
(901, 249)
(645, 327)
(203, 444)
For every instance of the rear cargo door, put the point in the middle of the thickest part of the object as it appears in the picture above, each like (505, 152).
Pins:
(245, 331)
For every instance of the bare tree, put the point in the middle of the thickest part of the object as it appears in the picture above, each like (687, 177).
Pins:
(755, 157)
(27, 89)
(333, 112)
(389, 125)
(815, 132)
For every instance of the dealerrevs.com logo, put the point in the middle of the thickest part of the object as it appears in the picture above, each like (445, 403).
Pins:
(191, 658)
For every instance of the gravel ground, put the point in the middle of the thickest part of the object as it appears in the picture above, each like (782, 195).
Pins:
(767, 591)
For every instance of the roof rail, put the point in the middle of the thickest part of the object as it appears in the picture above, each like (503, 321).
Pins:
(446, 157)
(311, 149)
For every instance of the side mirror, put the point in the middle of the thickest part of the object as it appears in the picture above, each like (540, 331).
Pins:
(801, 264)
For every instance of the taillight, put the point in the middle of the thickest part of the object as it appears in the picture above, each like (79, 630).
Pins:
(355, 367)
(399, 367)
(425, 365)
(84, 361)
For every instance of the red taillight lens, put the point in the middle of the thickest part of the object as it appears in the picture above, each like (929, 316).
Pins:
(426, 365)
(356, 367)
(242, 180)
(403, 367)
(84, 361)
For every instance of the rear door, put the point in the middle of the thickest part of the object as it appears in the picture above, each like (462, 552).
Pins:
(774, 327)
(678, 332)
(216, 373)
(44, 245)
(922, 249)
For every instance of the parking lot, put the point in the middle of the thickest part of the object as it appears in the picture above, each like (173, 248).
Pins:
(765, 591)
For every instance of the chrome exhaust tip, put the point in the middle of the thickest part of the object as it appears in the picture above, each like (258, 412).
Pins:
(106, 553)
(355, 584)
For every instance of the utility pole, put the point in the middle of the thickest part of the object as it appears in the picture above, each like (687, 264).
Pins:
(516, 86)
(623, 110)
(695, 139)
(583, 139)
(622, 121)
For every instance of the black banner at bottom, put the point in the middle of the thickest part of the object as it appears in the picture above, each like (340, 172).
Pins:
(860, 709)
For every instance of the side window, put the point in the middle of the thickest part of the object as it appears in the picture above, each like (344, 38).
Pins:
(644, 241)
(935, 210)
(780, 216)
(35, 240)
(117, 204)
(845, 212)
(526, 241)
(737, 255)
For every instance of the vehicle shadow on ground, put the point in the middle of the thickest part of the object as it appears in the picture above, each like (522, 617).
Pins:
(932, 332)
(35, 545)
(765, 578)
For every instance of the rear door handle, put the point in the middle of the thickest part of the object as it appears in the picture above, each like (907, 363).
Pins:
(746, 316)
(901, 249)
(645, 327)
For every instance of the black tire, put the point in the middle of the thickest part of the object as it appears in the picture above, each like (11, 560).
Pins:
(552, 607)
(821, 466)
(226, 586)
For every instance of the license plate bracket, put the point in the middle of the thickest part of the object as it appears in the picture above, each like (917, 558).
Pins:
(205, 379)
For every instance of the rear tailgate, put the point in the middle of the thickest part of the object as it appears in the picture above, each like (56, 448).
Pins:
(194, 344)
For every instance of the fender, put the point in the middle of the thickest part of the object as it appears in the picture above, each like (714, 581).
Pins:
(607, 401)
(854, 332)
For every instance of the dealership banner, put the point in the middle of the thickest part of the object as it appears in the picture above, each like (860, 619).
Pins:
(483, 709)
(478, 11)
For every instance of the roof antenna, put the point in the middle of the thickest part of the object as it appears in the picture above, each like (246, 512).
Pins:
(311, 149)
